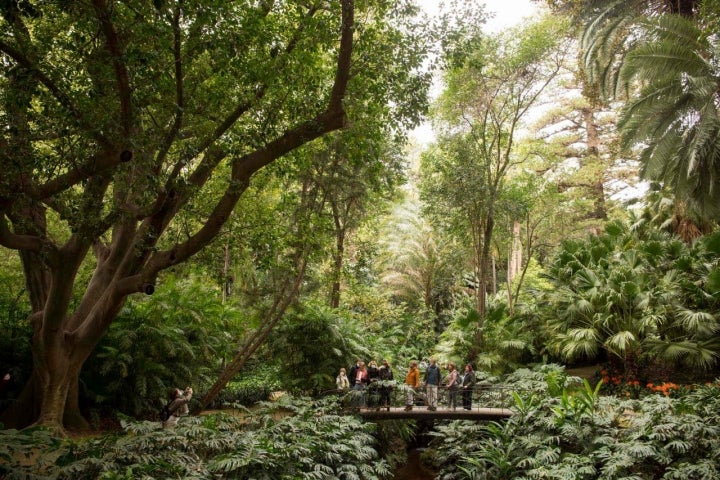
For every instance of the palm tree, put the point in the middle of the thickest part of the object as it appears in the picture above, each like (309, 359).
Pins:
(420, 266)
(636, 296)
(674, 115)
(661, 56)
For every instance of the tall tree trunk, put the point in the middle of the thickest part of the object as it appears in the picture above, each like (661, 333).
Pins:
(516, 253)
(593, 146)
(338, 256)
(227, 282)
(483, 267)
(494, 275)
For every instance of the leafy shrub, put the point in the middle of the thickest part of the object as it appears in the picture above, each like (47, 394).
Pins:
(313, 343)
(251, 387)
(173, 339)
(581, 435)
(284, 440)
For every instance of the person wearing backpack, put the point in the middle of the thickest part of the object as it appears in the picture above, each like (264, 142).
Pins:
(177, 406)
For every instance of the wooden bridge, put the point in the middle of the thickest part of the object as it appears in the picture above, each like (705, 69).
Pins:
(489, 403)
(442, 413)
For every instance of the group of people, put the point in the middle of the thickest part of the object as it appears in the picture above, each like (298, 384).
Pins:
(361, 377)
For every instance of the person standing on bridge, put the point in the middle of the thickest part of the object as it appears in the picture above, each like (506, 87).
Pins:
(412, 380)
(468, 383)
(433, 378)
(372, 375)
(361, 381)
(453, 382)
(352, 375)
(385, 374)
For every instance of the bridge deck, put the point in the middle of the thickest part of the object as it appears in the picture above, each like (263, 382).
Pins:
(442, 413)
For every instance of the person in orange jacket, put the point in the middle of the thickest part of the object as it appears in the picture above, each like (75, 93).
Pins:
(412, 379)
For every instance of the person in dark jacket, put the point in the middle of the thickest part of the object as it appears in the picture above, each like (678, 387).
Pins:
(385, 375)
(433, 378)
(468, 383)
(373, 377)
(353, 373)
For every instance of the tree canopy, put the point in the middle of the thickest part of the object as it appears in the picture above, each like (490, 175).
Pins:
(119, 116)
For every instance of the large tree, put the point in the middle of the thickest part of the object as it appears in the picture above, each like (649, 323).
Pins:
(660, 58)
(490, 90)
(115, 116)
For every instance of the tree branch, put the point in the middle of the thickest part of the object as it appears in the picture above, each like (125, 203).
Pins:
(244, 167)
(56, 92)
(112, 43)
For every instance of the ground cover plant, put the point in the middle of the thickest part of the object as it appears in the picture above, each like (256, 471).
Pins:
(288, 439)
(576, 433)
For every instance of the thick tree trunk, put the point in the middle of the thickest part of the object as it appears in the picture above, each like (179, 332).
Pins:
(51, 396)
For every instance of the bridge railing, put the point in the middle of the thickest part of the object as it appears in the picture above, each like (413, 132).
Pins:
(392, 394)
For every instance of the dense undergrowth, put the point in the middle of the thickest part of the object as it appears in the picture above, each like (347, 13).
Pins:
(575, 433)
(563, 428)
(289, 439)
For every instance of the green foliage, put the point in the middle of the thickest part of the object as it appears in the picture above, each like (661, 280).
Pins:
(252, 385)
(384, 328)
(636, 296)
(509, 340)
(313, 343)
(662, 59)
(28, 453)
(577, 404)
(464, 177)
(285, 440)
(584, 436)
(173, 339)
